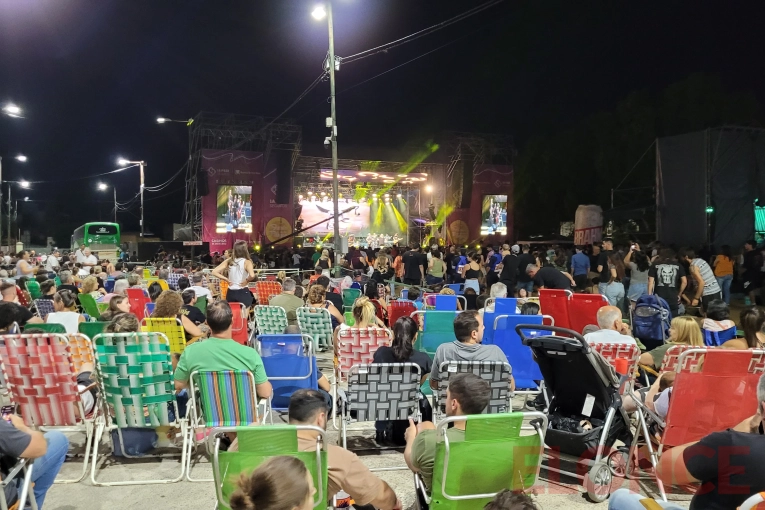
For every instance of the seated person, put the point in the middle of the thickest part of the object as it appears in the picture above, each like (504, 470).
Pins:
(471, 298)
(155, 289)
(197, 279)
(511, 500)
(717, 316)
(612, 329)
(280, 482)
(346, 471)
(413, 296)
(117, 306)
(683, 330)
(189, 309)
(530, 308)
(183, 283)
(333, 297)
(467, 394)
(48, 289)
(468, 328)
(288, 300)
(65, 306)
(549, 278)
(752, 320)
(381, 309)
(221, 353)
(11, 311)
(170, 306)
(90, 287)
(67, 282)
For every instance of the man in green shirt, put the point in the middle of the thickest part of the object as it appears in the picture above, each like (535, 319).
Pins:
(288, 300)
(219, 353)
(466, 394)
(316, 256)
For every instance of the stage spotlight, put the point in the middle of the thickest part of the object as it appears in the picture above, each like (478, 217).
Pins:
(300, 197)
(375, 197)
(398, 195)
(257, 247)
(310, 193)
(387, 195)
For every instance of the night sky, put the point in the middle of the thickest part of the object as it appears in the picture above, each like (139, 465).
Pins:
(93, 75)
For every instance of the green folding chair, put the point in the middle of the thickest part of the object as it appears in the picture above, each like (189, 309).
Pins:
(271, 320)
(349, 297)
(202, 304)
(58, 281)
(89, 305)
(349, 320)
(47, 327)
(437, 329)
(258, 444)
(505, 448)
(34, 289)
(91, 329)
(316, 322)
(136, 381)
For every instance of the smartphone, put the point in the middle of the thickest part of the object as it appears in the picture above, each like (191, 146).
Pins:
(7, 411)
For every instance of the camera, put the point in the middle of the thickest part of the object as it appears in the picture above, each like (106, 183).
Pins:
(327, 142)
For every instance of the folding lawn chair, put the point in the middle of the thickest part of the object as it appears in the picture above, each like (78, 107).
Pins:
(138, 301)
(613, 352)
(81, 349)
(494, 308)
(436, 328)
(496, 373)
(258, 444)
(239, 323)
(264, 290)
(48, 327)
(213, 283)
(223, 286)
(399, 308)
(136, 381)
(148, 309)
(34, 289)
(555, 302)
(20, 472)
(349, 297)
(290, 363)
(170, 328)
(458, 288)
(583, 310)
(91, 329)
(88, 304)
(41, 379)
(717, 338)
(316, 322)
(172, 280)
(495, 447)
(447, 303)
(44, 307)
(271, 320)
(201, 304)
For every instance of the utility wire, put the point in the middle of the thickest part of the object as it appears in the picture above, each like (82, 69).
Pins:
(398, 42)
(77, 178)
(165, 184)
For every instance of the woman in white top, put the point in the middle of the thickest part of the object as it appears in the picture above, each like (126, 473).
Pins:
(65, 306)
(23, 267)
(240, 272)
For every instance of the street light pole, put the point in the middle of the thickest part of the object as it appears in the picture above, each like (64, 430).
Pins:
(115, 203)
(141, 165)
(9, 218)
(333, 133)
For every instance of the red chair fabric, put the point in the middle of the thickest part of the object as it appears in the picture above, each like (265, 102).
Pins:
(358, 345)
(613, 352)
(239, 323)
(138, 302)
(555, 303)
(398, 309)
(583, 310)
(265, 289)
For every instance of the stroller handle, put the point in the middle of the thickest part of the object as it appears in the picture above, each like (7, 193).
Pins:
(554, 329)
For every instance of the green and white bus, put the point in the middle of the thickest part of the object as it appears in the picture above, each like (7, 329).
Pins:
(103, 239)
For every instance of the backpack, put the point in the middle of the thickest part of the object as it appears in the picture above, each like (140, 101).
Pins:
(650, 321)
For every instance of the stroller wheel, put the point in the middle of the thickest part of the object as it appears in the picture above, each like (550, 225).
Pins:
(597, 482)
(617, 461)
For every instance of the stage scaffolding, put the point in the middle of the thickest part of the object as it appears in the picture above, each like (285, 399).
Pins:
(224, 131)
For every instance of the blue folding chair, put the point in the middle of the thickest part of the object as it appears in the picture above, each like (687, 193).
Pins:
(715, 338)
(446, 303)
(404, 294)
(290, 364)
(458, 288)
(109, 285)
(502, 306)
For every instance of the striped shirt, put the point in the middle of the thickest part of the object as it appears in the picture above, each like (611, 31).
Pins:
(710, 282)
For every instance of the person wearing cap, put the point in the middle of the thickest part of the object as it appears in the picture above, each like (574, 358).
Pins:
(509, 272)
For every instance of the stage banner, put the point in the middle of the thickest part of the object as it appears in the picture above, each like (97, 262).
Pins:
(491, 205)
(276, 220)
(588, 224)
(231, 207)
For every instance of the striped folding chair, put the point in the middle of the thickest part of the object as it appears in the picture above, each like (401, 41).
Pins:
(81, 349)
(219, 399)
(213, 283)
(316, 322)
(271, 320)
(44, 307)
(496, 373)
(136, 381)
(264, 290)
(41, 379)
(172, 280)
(171, 328)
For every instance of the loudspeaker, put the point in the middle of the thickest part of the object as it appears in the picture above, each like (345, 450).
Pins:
(202, 188)
(283, 176)
(468, 164)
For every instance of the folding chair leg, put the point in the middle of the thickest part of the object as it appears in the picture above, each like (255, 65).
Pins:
(192, 446)
(88, 442)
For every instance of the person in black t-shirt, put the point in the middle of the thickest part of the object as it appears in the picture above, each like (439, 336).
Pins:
(188, 309)
(524, 280)
(414, 271)
(601, 265)
(509, 273)
(550, 278)
(402, 350)
(666, 279)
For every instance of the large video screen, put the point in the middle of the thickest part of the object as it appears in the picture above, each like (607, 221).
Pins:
(234, 209)
(494, 215)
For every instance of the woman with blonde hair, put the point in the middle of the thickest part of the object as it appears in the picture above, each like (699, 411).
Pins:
(169, 306)
(683, 330)
(317, 298)
(90, 286)
(323, 262)
(240, 272)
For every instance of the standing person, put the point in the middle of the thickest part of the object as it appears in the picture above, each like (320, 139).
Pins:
(414, 271)
(315, 257)
(752, 274)
(240, 272)
(638, 263)
(602, 265)
(88, 259)
(493, 259)
(614, 291)
(436, 268)
(707, 288)
(666, 279)
(322, 262)
(525, 282)
(471, 272)
(580, 267)
(296, 258)
(508, 273)
(23, 265)
(448, 261)
(723, 266)
(549, 278)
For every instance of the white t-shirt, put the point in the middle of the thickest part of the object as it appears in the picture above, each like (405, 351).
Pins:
(201, 291)
(51, 263)
(662, 403)
(608, 336)
(296, 259)
(90, 260)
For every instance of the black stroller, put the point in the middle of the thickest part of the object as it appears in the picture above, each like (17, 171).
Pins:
(585, 414)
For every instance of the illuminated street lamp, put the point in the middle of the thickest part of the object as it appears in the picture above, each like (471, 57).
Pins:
(123, 163)
(103, 187)
(24, 184)
(319, 12)
(12, 110)
(21, 158)
(162, 120)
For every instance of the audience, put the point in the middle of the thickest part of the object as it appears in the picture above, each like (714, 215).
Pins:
(333, 297)
(155, 289)
(683, 330)
(612, 329)
(752, 320)
(279, 483)
(288, 300)
(65, 306)
(12, 311)
(189, 309)
(197, 280)
(117, 305)
(90, 287)
(169, 305)
(317, 297)
(67, 282)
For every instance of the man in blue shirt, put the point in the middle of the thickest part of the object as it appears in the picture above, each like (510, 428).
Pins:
(580, 266)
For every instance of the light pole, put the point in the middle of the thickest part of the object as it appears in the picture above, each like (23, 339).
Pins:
(25, 185)
(320, 12)
(103, 187)
(124, 162)
(162, 120)
(11, 110)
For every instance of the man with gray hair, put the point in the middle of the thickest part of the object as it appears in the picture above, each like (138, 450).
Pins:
(164, 273)
(288, 300)
(119, 289)
(199, 289)
(612, 329)
(67, 283)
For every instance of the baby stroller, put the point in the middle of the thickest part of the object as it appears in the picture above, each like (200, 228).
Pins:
(585, 414)
(650, 320)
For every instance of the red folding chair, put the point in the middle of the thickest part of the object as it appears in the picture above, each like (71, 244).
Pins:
(399, 308)
(264, 290)
(583, 310)
(555, 303)
(613, 352)
(138, 301)
(239, 323)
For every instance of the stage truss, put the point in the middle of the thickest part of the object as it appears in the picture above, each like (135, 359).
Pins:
(222, 131)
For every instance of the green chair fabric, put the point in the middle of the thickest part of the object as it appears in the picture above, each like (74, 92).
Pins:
(349, 320)
(91, 329)
(102, 307)
(271, 320)
(58, 281)
(494, 447)
(89, 305)
(349, 297)
(48, 328)
(256, 445)
(438, 329)
(34, 289)
(202, 304)
(316, 322)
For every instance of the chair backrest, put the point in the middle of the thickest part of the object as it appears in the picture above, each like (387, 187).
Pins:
(81, 349)
(51, 327)
(399, 308)
(358, 345)
(404, 294)
(290, 364)
(201, 304)
(172, 280)
(753, 502)
(716, 338)
(271, 320)
(496, 373)
(163, 284)
(671, 357)
(583, 310)
(350, 296)
(502, 306)
(109, 285)
(555, 302)
(349, 320)
(91, 329)
(258, 444)
(225, 399)
(383, 391)
(136, 378)
(146, 273)
(170, 328)
(613, 352)
(40, 376)
(89, 305)
(429, 299)
(494, 446)
(316, 322)
(44, 307)
(137, 300)
(24, 298)
(521, 358)
(213, 283)
(223, 286)
(34, 289)
(445, 302)
(148, 308)
(714, 389)
(458, 288)
(437, 329)
(58, 281)
(239, 323)
(265, 290)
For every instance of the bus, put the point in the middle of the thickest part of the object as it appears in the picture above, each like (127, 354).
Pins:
(103, 239)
